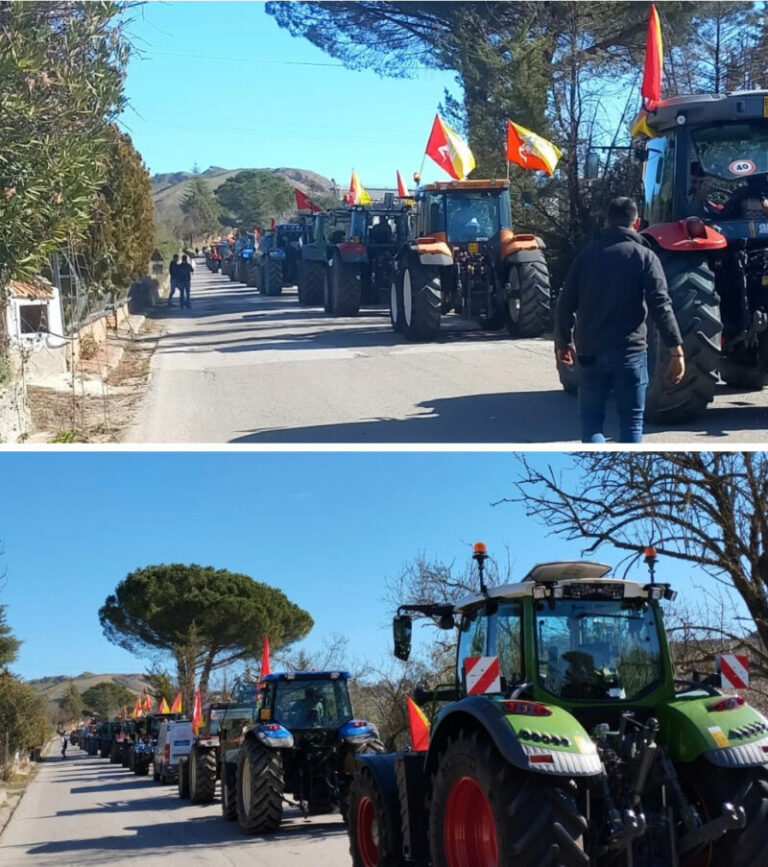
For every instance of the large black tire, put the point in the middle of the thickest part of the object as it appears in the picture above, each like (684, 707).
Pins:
(127, 761)
(375, 833)
(742, 376)
(252, 276)
(528, 310)
(231, 271)
(311, 283)
(272, 277)
(347, 772)
(345, 288)
(228, 797)
(202, 775)
(106, 749)
(697, 309)
(259, 788)
(396, 303)
(141, 767)
(422, 301)
(477, 795)
(113, 754)
(743, 847)
(182, 779)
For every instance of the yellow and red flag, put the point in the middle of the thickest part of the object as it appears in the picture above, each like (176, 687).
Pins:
(176, 706)
(136, 709)
(147, 705)
(402, 190)
(531, 151)
(197, 714)
(357, 195)
(419, 725)
(163, 707)
(654, 61)
(449, 150)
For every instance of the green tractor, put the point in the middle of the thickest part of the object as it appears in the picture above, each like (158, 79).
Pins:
(303, 744)
(705, 212)
(326, 245)
(567, 740)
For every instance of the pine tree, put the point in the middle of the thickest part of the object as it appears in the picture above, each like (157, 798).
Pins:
(201, 210)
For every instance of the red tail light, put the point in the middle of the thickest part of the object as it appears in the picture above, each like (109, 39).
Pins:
(695, 228)
(731, 702)
(541, 760)
(350, 247)
(526, 708)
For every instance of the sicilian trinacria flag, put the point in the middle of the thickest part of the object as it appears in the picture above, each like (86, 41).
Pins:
(531, 151)
(654, 61)
(402, 190)
(357, 195)
(176, 706)
(304, 203)
(163, 707)
(449, 150)
(419, 725)
(197, 714)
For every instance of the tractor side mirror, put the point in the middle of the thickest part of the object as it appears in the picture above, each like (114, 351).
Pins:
(527, 198)
(402, 629)
(592, 166)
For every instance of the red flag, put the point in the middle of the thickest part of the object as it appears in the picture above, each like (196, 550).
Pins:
(654, 61)
(304, 203)
(197, 714)
(176, 706)
(419, 725)
(265, 667)
(402, 190)
(449, 151)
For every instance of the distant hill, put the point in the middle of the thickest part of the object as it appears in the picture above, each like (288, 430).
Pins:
(169, 188)
(55, 686)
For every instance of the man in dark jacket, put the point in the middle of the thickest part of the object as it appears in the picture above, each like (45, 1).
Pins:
(612, 286)
(173, 273)
(185, 280)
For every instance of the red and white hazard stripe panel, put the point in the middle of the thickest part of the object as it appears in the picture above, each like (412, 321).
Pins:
(482, 674)
(734, 671)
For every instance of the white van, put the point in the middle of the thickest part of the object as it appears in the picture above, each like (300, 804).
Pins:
(174, 741)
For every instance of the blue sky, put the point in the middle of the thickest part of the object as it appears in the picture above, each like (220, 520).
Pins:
(328, 529)
(220, 83)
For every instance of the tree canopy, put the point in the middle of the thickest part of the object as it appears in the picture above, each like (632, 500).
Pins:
(201, 210)
(106, 699)
(252, 198)
(9, 644)
(204, 617)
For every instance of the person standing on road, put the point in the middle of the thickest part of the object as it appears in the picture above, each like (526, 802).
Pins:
(173, 272)
(611, 288)
(64, 746)
(185, 280)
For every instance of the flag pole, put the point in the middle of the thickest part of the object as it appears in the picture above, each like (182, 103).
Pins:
(507, 170)
(421, 167)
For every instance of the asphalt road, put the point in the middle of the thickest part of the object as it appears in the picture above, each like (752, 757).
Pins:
(241, 368)
(83, 810)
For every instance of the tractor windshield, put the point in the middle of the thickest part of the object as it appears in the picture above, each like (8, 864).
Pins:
(312, 703)
(598, 650)
(469, 216)
(732, 151)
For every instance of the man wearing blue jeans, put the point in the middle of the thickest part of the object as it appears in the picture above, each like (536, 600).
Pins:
(612, 287)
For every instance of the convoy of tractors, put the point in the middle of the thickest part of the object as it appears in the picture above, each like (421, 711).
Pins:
(565, 737)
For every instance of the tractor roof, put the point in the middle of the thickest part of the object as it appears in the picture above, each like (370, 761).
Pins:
(560, 572)
(706, 108)
(447, 186)
(308, 675)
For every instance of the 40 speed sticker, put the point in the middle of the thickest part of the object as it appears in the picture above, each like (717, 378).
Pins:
(742, 167)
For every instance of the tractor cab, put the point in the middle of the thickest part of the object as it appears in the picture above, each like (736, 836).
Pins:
(379, 227)
(307, 700)
(464, 213)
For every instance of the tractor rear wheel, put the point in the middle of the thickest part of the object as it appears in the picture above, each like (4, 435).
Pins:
(396, 303)
(253, 274)
(422, 300)
(273, 278)
(375, 835)
(528, 309)
(345, 288)
(182, 778)
(259, 788)
(348, 771)
(697, 310)
(202, 775)
(742, 376)
(228, 797)
(311, 283)
(486, 814)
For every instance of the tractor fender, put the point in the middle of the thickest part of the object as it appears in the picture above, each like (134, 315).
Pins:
(381, 766)
(580, 759)
(509, 243)
(520, 257)
(314, 254)
(271, 735)
(351, 253)
(433, 252)
(677, 237)
(736, 737)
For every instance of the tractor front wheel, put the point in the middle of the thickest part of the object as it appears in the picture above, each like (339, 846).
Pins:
(528, 306)
(228, 797)
(697, 310)
(182, 779)
(486, 814)
(259, 788)
(396, 303)
(375, 835)
(422, 302)
(202, 775)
